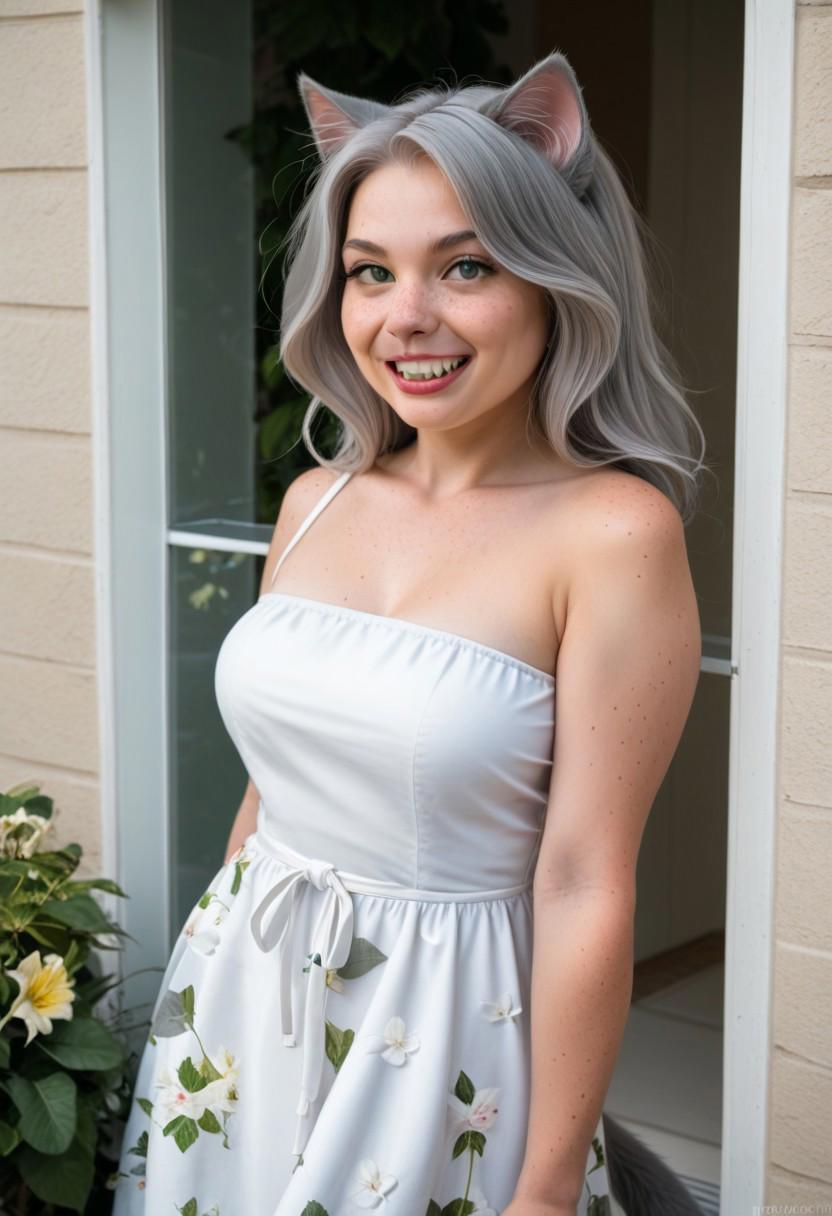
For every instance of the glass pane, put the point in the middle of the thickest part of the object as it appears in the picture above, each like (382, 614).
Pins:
(211, 257)
(210, 590)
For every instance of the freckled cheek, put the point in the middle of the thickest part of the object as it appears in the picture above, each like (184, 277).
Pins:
(492, 324)
(360, 322)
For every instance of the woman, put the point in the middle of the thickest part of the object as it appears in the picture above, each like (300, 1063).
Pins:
(431, 878)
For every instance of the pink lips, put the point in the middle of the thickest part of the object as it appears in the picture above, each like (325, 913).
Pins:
(427, 386)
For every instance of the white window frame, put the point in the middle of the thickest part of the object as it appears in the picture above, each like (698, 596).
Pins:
(128, 310)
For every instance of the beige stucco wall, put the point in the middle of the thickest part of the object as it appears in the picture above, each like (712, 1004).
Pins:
(800, 1165)
(48, 723)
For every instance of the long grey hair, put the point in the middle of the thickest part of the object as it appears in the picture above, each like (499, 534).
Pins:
(547, 203)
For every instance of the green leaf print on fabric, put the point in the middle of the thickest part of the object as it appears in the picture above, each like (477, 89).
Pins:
(597, 1205)
(200, 929)
(472, 1140)
(172, 1016)
(191, 1208)
(362, 958)
(209, 1122)
(337, 1044)
(313, 1208)
(240, 867)
(140, 1150)
(184, 1131)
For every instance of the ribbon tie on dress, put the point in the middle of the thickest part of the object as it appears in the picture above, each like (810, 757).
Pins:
(331, 940)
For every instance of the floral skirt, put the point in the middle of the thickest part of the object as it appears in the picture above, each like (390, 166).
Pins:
(321, 1044)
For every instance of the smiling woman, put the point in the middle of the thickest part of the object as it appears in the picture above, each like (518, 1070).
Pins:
(430, 883)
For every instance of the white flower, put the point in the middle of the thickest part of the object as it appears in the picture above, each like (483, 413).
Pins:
(200, 937)
(175, 1100)
(21, 833)
(218, 1095)
(480, 1202)
(479, 1116)
(374, 1185)
(223, 1061)
(45, 993)
(394, 1044)
(501, 1009)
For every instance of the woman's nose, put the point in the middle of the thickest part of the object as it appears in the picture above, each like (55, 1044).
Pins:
(410, 305)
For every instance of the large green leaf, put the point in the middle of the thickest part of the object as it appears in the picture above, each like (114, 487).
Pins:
(82, 1043)
(65, 1178)
(80, 912)
(9, 1139)
(48, 1110)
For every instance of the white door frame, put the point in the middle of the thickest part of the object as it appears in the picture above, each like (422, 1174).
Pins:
(127, 326)
(762, 365)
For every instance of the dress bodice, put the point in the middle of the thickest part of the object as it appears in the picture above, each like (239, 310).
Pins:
(390, 747)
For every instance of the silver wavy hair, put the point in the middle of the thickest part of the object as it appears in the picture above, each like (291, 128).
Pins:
(547, 203)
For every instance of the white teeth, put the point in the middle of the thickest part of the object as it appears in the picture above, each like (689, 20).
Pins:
(426, 369)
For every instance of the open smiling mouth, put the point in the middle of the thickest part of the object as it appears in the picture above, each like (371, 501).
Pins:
(431, 384)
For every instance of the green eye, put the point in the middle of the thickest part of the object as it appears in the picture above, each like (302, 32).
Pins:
(470, 262)
(467, 262)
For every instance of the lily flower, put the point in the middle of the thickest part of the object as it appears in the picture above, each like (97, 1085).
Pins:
(45, 993)
(479, 1116)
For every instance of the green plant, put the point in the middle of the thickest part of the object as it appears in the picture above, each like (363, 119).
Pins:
(64, 1073)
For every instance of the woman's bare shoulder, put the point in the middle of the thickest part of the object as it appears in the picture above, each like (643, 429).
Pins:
(304, 491)
(613, 507)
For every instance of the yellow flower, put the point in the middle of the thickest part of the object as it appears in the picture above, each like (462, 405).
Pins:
(45, 993)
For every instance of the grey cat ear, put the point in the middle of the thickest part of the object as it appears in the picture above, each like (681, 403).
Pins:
(545, 107)
(333, 116)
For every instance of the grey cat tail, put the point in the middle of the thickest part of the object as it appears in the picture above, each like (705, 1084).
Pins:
(641, 1181)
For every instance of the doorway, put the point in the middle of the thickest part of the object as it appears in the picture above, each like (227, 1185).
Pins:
(663, 83)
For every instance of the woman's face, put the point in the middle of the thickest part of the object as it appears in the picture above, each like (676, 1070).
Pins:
(406, 300)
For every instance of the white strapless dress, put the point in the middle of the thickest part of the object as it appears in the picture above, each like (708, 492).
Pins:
(344, 1020)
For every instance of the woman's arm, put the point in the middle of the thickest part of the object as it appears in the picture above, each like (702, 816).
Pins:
(627, 670)
(245, 820)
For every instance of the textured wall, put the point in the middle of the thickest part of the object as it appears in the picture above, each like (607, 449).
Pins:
(800, 1167)
(48, 723)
